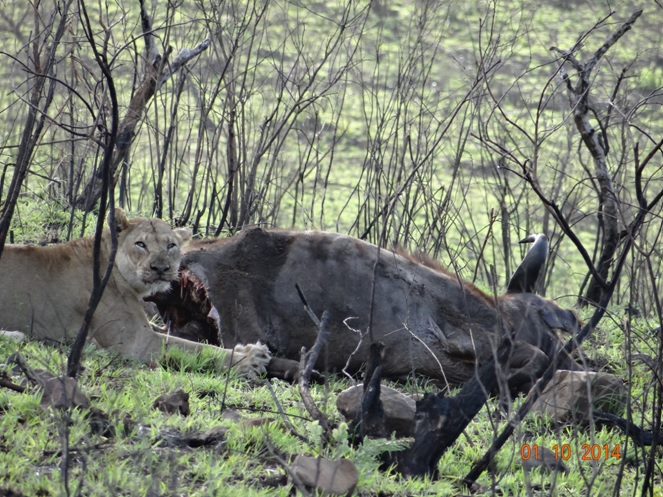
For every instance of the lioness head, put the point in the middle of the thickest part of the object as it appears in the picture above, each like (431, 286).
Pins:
(148, 252)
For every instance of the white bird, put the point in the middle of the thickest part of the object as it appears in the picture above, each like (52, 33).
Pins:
(527, 276)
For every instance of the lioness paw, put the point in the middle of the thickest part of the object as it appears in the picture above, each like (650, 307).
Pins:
(251, 360)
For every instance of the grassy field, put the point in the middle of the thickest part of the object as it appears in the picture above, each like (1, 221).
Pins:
(148, 453)
(386, 131)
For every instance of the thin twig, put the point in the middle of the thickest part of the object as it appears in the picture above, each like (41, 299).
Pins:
(59, 453)
(307, 362)
(307, 308)
(284, 417)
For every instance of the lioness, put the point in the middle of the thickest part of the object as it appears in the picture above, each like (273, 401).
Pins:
(44, 291)
(429, 321)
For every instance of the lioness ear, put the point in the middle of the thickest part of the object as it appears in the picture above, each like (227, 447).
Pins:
(121, 219)
(184, 234)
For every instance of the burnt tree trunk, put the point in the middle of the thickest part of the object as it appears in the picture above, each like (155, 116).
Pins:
(370, 420)
(441, 420)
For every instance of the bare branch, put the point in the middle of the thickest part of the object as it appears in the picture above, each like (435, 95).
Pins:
(157, 72)
(306, 365)
(614, 38)
(185, 56)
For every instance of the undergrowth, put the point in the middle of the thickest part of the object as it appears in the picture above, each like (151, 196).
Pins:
(251, 458)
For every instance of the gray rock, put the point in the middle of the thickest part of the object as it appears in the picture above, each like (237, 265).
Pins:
(176, 402)
(399, 409)
(544, 459)
(331, 477)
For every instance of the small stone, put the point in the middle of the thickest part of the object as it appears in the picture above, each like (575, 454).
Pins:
(545, 459)
(60, 392)
(399, 409)
(173, 403)
(331, 477)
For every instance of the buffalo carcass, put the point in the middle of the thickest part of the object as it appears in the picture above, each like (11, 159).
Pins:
(242, 289)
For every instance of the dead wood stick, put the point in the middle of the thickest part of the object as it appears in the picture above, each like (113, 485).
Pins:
(182, 59)
(370, 418)
(25, 369)
(59, 453)
(306, 364)
(5, 383)
(284, 416)
(296, 480)
(639, 435)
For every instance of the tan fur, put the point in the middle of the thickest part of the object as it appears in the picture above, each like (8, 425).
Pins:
(44, 292)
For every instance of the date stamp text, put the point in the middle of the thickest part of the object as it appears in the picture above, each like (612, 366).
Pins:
(588, 452)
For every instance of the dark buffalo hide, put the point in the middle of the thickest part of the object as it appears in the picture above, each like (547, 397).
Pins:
(242, 289)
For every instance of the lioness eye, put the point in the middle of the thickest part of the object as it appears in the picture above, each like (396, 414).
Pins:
(141, 245)
(171, 245)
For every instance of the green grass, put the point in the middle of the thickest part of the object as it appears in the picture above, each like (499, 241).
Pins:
(139, 461)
